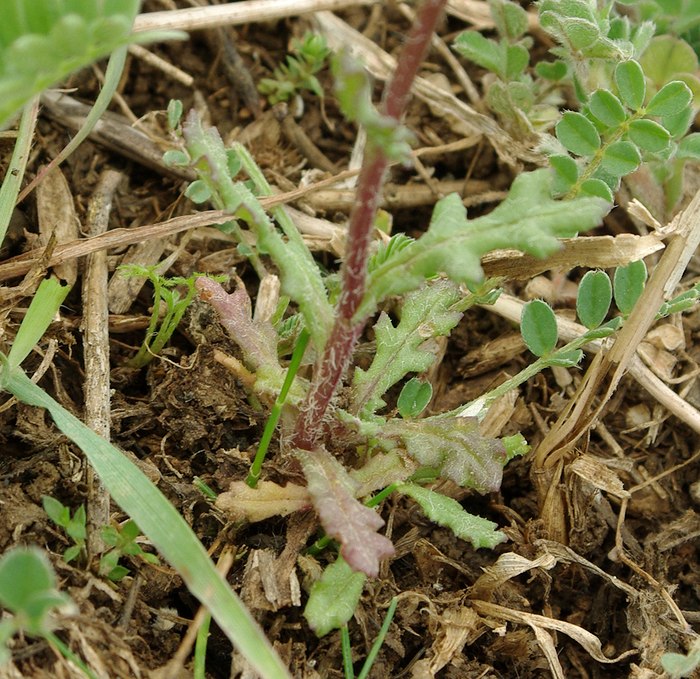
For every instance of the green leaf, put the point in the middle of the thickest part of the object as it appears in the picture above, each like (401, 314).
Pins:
(42, 42)
(689, 147)
(72, 553)
(565, 359)
(597, 188)
(451, 445)
(42, 309)
(593, 299)
(528, 220)
(198, 191)
(666, 57)
(517, 59)
(57, 512)
(581, 33)
(631, 84)
(447, 512)
(605, 106)
(538, 326)
(677, 125)
(175, 109)
(333, 599)
(680, 665)
(551, 70)
(353, 90)
(482, 51)
(28, 589)
(509, 17)
(671, 99)
(414, 398)
(628, 285)
(648, 135)
(578, 134)
(621, 158)
(176, 158)
(405, 348)
(565, 172)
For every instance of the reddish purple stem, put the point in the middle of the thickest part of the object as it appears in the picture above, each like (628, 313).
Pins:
(338, 351)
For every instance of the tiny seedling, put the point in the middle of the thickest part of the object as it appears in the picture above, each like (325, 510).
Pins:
(28, 590)
(299, 72)
(121, 542)
(679, 665)
(168, 309)
(74, 526)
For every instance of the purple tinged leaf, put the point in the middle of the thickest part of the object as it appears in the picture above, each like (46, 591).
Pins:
(342, 515)
(454, 446)
(257, 340)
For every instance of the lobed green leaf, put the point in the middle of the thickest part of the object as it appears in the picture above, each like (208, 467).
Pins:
(528, 220)
(451, 445)
(445, 511)
(404, 348)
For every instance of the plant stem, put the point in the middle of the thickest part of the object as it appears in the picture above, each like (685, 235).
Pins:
(338, 350)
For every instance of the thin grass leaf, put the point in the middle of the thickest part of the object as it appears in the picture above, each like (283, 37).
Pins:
(161, 523)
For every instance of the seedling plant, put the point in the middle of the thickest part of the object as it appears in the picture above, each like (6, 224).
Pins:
(337, 422)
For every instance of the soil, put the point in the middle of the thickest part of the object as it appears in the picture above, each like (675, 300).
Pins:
(599, 583)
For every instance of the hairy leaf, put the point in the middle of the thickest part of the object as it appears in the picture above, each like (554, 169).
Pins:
(630, 82)
(605, 106)
(300, 276)
(672, 98)
(453, 446)
(447, 512)
(353, 90)
(578, 134)
(333, 599)
(648, 135)
(483, 51)
(257, 339)
(528, 220)
(342, 516)
(402, 349)
(620, 158)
